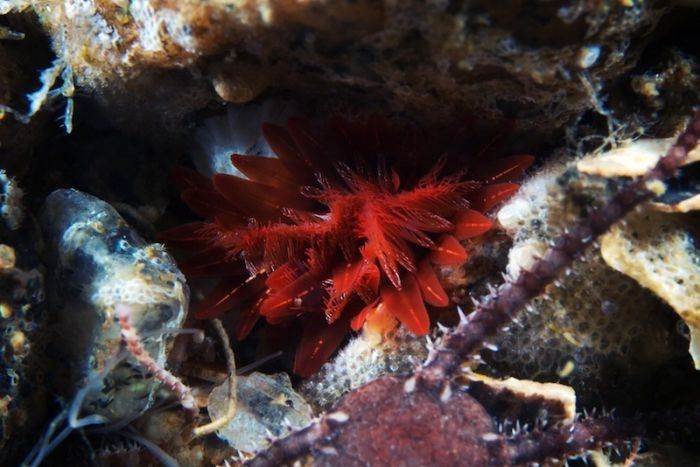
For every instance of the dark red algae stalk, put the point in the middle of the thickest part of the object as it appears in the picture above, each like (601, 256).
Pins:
(343, 228)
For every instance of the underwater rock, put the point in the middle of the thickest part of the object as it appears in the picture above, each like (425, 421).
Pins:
(267, 407)
(23, 316)
(543, 63)
(364, 359)
(594, 329)
(658, 251)
(96, 262)
(382, 424)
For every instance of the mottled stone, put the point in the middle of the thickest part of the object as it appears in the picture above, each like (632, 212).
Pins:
(267, 407)
(97, 261)
(595, 328)
(387, 426)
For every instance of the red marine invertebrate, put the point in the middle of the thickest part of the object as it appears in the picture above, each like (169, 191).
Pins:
(388, 404)
(342, 227)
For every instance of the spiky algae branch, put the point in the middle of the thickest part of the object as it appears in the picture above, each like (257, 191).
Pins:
(498, 309)
(496, 312)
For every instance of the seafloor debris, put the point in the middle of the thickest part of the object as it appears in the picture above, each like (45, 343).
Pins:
(267, 408)
(97, 262)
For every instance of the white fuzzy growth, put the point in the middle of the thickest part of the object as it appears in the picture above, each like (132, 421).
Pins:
(155, 25)
(528, 203)
(85, 17)
(47, 78)
(178, 30)
(149, 26)
(10, 201)
(338, 417)
(238, 131)
(7, 6)
(410, 385)
(362, 360)
(47, 92)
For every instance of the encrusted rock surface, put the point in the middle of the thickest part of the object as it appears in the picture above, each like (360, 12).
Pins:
(595, 328)
(365, 358)
(658, 251)
(23, 316)
(544, 63)
(96, 261)
(396, 427)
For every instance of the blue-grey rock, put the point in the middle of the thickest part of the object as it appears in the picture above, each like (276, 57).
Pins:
(266, 407)
(96, 261)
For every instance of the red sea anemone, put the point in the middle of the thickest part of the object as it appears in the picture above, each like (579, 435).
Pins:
(343, 225)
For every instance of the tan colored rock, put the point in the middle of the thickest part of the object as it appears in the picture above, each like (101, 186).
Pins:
(634, 159)
(101, 40)
(687, 205)
(657, 250)
(559, 399)
(630, 160)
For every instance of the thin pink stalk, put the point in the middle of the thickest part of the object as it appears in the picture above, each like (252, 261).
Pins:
(135, 345)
